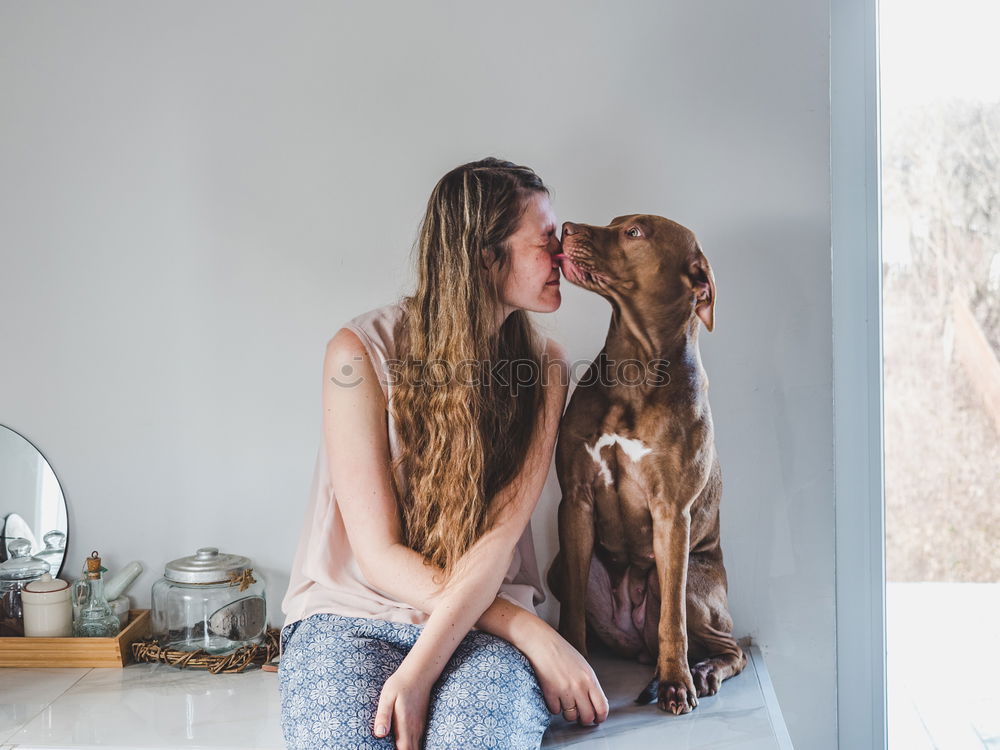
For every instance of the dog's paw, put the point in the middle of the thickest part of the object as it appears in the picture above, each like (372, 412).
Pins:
(677, 696)
(706, 678)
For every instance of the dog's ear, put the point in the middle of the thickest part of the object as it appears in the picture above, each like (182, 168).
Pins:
(700, 278)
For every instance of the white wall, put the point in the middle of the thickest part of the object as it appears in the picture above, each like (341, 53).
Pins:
(196, 195)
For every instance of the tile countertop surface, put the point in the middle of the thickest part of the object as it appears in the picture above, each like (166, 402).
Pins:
(156, 706)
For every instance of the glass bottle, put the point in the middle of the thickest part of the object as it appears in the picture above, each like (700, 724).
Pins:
(95, 618)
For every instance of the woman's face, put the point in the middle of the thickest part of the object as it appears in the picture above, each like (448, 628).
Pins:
(531, 280)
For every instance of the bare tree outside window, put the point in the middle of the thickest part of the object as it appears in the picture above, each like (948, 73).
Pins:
(941, 196)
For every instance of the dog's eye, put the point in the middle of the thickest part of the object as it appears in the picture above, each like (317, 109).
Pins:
(633, 232)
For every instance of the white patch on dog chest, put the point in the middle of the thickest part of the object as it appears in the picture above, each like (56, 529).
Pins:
(634, 448)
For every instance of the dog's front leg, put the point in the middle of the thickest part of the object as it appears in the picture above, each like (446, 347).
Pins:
(671, 542)
(576, 546)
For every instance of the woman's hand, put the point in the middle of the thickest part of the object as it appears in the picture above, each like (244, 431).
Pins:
(567, 680)
(402, 708)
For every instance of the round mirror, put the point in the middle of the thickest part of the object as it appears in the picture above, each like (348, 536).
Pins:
(32, 504)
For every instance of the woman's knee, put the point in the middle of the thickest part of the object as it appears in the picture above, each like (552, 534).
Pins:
(488, 697)
(329, 684)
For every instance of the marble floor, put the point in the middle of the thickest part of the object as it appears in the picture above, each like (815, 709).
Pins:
(155, 706)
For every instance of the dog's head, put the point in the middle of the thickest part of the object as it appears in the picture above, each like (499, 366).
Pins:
(653, 262)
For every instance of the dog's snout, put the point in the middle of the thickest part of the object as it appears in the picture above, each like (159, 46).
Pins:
(569, 228)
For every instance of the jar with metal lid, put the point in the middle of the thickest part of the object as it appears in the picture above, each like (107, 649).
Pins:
(16, 573)
(209, 601)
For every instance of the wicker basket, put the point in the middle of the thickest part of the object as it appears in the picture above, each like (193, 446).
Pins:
(247, 657)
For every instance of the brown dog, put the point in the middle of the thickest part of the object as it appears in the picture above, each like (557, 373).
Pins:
(639, 559)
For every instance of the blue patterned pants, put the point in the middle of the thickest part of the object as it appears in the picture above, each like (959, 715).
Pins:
(332, 670)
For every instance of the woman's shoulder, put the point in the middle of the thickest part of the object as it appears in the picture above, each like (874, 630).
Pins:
(349, 361)
(365, 345)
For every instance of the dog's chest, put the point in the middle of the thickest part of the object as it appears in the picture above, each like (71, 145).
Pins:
(615, 456)
(606, 446)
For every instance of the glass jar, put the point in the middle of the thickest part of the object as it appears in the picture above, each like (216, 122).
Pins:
(54, 551)
(209, 601)
(16, 573)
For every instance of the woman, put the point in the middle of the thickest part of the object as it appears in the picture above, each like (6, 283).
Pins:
(410, 611)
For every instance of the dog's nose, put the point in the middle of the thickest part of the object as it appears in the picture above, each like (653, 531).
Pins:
(569, 228)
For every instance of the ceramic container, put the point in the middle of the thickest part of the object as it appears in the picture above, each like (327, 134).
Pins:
(47, 609)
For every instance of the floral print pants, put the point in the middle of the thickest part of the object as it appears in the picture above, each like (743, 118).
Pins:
(332, 670)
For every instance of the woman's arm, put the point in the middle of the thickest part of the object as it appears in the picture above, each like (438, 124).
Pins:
(402, 574)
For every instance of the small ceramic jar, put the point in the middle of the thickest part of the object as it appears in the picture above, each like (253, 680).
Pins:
(47, 609)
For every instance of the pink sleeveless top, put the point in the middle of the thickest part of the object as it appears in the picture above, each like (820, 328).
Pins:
(325, 576)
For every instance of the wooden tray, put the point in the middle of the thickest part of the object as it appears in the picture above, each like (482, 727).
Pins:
(76, 652)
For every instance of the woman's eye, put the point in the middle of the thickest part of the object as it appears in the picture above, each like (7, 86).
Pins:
(633, 232)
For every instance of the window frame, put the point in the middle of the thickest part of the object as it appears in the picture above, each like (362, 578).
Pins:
(856, 264)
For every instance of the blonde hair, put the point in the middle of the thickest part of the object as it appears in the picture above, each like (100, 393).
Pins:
(462, 442)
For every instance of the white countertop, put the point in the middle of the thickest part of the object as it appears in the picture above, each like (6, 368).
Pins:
(156, 706)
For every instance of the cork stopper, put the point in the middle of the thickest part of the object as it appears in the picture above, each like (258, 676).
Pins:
(94, 565)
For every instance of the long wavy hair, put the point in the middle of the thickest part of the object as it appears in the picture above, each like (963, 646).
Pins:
(463, 419)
